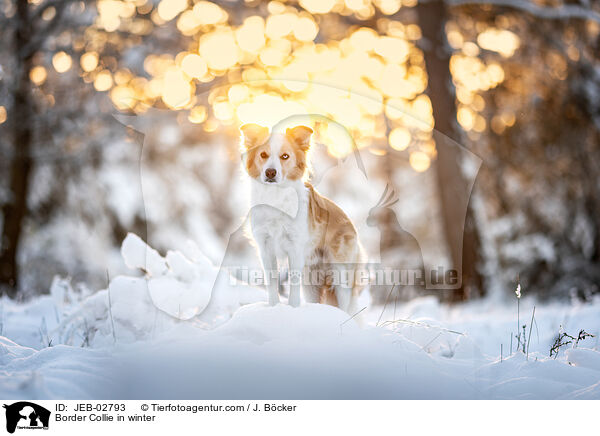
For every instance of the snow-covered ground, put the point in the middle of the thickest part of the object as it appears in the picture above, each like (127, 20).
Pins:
(184, 330)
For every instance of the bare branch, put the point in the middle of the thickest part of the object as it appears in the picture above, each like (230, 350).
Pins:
(39, 11)
(564, 12)
(43, 32)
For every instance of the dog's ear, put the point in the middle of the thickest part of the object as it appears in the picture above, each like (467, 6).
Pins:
(253, 135)
(300, 135)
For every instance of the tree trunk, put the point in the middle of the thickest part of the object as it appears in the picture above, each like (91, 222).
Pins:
(460, 230)
(15, 210)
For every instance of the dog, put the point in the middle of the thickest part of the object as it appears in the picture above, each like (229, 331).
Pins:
(292, 221)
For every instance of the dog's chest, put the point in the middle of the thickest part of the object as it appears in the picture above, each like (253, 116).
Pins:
(280, 214)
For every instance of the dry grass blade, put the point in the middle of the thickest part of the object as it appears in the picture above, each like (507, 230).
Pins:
(385, 305)
(352, 317)
(422, 324)
(530, 328)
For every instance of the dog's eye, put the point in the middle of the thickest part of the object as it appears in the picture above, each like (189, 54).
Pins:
(264, 155)
(284, 156)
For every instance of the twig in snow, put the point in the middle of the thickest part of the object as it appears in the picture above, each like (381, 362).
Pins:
(558, 342)
(352, 317)
(385, 305)
(422, 324)
(430, 342)
(44, 337)
(56, 314)
(530, 328)
(582, 335)
(112, 322)
(518, 294)
(86, 334)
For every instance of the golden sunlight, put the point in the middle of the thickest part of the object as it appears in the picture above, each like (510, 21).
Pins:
(169, 9)
(194, 66)
(89, 61)
(197, 114)
(318, 6)
(62, 62)
(176, 89)
(499, 40)
(103, 81)
(400, 138)
(219, 49)
(250, 36)
(123, 97)
(209, 13)
(38, 75)
(305, 29)
(419, 161)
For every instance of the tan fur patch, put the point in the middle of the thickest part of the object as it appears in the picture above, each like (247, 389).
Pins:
(253, 160)
(328, 296)
(300, 135)
(297, 171)
(254, 135)
(336, 232)
(337, 240)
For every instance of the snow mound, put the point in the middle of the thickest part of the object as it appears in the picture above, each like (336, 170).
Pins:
(584, 358)
(173, 289)
(137, 254)
(181, 287)
(260, 323)
(55, 372)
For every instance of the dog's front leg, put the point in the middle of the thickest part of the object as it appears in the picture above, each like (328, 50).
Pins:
(296, 261)
(271, 273)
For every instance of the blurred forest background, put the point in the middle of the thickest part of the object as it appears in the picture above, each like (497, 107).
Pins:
(516, 82)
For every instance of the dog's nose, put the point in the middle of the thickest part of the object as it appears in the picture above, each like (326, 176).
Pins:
(270, 173)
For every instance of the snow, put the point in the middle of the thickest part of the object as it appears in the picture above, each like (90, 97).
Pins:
(137, 254)
(187, 330)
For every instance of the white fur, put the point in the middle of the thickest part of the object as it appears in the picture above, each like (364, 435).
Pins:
(279, 223)
(275, 142)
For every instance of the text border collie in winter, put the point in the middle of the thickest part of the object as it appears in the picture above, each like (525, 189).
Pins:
(291, 221)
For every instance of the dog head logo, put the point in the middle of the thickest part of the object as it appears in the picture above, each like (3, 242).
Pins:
(26, 415)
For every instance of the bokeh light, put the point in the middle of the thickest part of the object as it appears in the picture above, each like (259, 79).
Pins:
(38, 75)
(176, 89)
(419, 161)
(169, 9)
(220, 50)
(103, 81)
(198, 114)
(62, 62)
(400, 138)
(499, 40)
(194, 66)
(89, 61)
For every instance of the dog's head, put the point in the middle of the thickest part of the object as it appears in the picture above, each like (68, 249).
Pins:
(277, 157)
